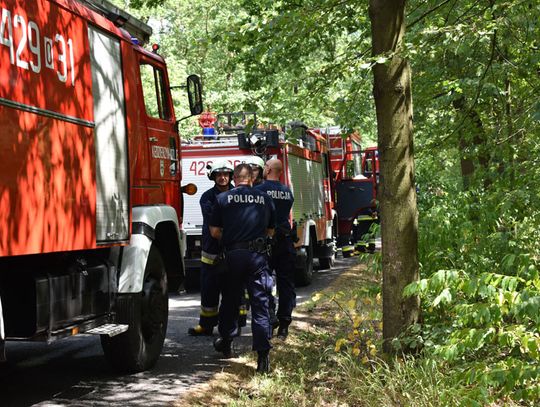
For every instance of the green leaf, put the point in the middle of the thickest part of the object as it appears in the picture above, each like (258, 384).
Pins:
(445, 297)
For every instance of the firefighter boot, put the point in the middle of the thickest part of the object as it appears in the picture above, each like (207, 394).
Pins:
(200, 331)
(224, 346)
(263, 361)
(283, 329)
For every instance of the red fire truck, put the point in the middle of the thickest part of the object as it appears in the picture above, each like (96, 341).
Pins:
(305, 159)
(355, 177)
(90, 193)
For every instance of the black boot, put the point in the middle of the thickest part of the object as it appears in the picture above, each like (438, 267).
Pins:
(283, 330)
(263, 361)
(224, 346)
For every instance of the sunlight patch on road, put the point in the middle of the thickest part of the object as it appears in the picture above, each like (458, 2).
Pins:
(183, 303)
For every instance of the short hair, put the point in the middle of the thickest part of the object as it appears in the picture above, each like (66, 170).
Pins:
(241, 169)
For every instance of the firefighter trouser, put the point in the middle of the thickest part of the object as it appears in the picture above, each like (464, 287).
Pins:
(247, 269)
(361, 228)
(211, 287)
(211, 277)
(282, 261)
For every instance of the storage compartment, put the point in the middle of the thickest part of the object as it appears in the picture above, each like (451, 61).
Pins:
(35, 303)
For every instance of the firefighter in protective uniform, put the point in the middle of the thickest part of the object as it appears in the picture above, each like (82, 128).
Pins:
(212, 264)
(283, 253)
(242, 218)
(257, 167)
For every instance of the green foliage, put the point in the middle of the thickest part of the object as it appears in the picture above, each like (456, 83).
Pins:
(412, 382)
(285, 60)
(481, 284)
(191, 39)
(475, 99)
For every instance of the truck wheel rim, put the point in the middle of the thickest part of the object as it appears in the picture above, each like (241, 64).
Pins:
(154, 309)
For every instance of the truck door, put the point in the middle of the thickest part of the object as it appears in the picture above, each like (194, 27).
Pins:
(162, 139)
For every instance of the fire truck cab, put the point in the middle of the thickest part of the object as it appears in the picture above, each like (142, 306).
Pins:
(355, 179)
(90, 179)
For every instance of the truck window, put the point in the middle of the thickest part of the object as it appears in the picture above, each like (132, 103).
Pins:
(357, 158)
(368, 165)
(155, 97)
(325, 165)
(350, 170)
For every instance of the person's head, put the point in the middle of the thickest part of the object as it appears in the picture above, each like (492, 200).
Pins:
(242, 174)
(257, 166)
(220, 172)
(273, 169)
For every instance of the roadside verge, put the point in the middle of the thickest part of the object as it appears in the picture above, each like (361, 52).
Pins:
(344, 318)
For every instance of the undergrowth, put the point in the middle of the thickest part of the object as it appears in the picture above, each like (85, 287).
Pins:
(332, 358)
(480, 290)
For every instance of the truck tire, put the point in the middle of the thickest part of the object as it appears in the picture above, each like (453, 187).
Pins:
(147, 314)
(304, 275)
(327, 262)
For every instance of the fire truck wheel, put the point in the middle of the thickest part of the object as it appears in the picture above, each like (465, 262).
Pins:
(139, 347)
(327, 262)
(304, 275)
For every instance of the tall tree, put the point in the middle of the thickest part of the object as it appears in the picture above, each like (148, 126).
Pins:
(399, 219)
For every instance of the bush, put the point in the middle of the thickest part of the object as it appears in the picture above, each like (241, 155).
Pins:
(480, 287)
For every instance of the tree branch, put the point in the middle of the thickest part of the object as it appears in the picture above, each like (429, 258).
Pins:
(427, 13)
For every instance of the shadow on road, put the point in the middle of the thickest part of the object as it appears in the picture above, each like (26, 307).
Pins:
(74, 371)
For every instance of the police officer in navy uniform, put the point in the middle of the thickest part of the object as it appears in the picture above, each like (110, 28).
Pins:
(283, 252)
(257, 166)
(242, 218)
(211, 264)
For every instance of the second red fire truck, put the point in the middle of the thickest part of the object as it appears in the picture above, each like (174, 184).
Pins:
(306, 171)
(355, 180)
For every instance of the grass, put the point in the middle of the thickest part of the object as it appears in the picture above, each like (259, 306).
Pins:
(331, 359)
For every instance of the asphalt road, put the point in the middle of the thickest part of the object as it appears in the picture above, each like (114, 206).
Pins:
(74, 372)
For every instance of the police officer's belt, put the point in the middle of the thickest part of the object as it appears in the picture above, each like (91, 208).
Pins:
(257, 245)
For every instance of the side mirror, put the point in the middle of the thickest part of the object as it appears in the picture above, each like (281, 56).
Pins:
(194, 89)
(189, 189)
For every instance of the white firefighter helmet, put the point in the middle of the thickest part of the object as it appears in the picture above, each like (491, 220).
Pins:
(219, 166)
(255, 160)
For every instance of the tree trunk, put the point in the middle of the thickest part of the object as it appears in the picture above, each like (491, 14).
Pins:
(397, 197)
